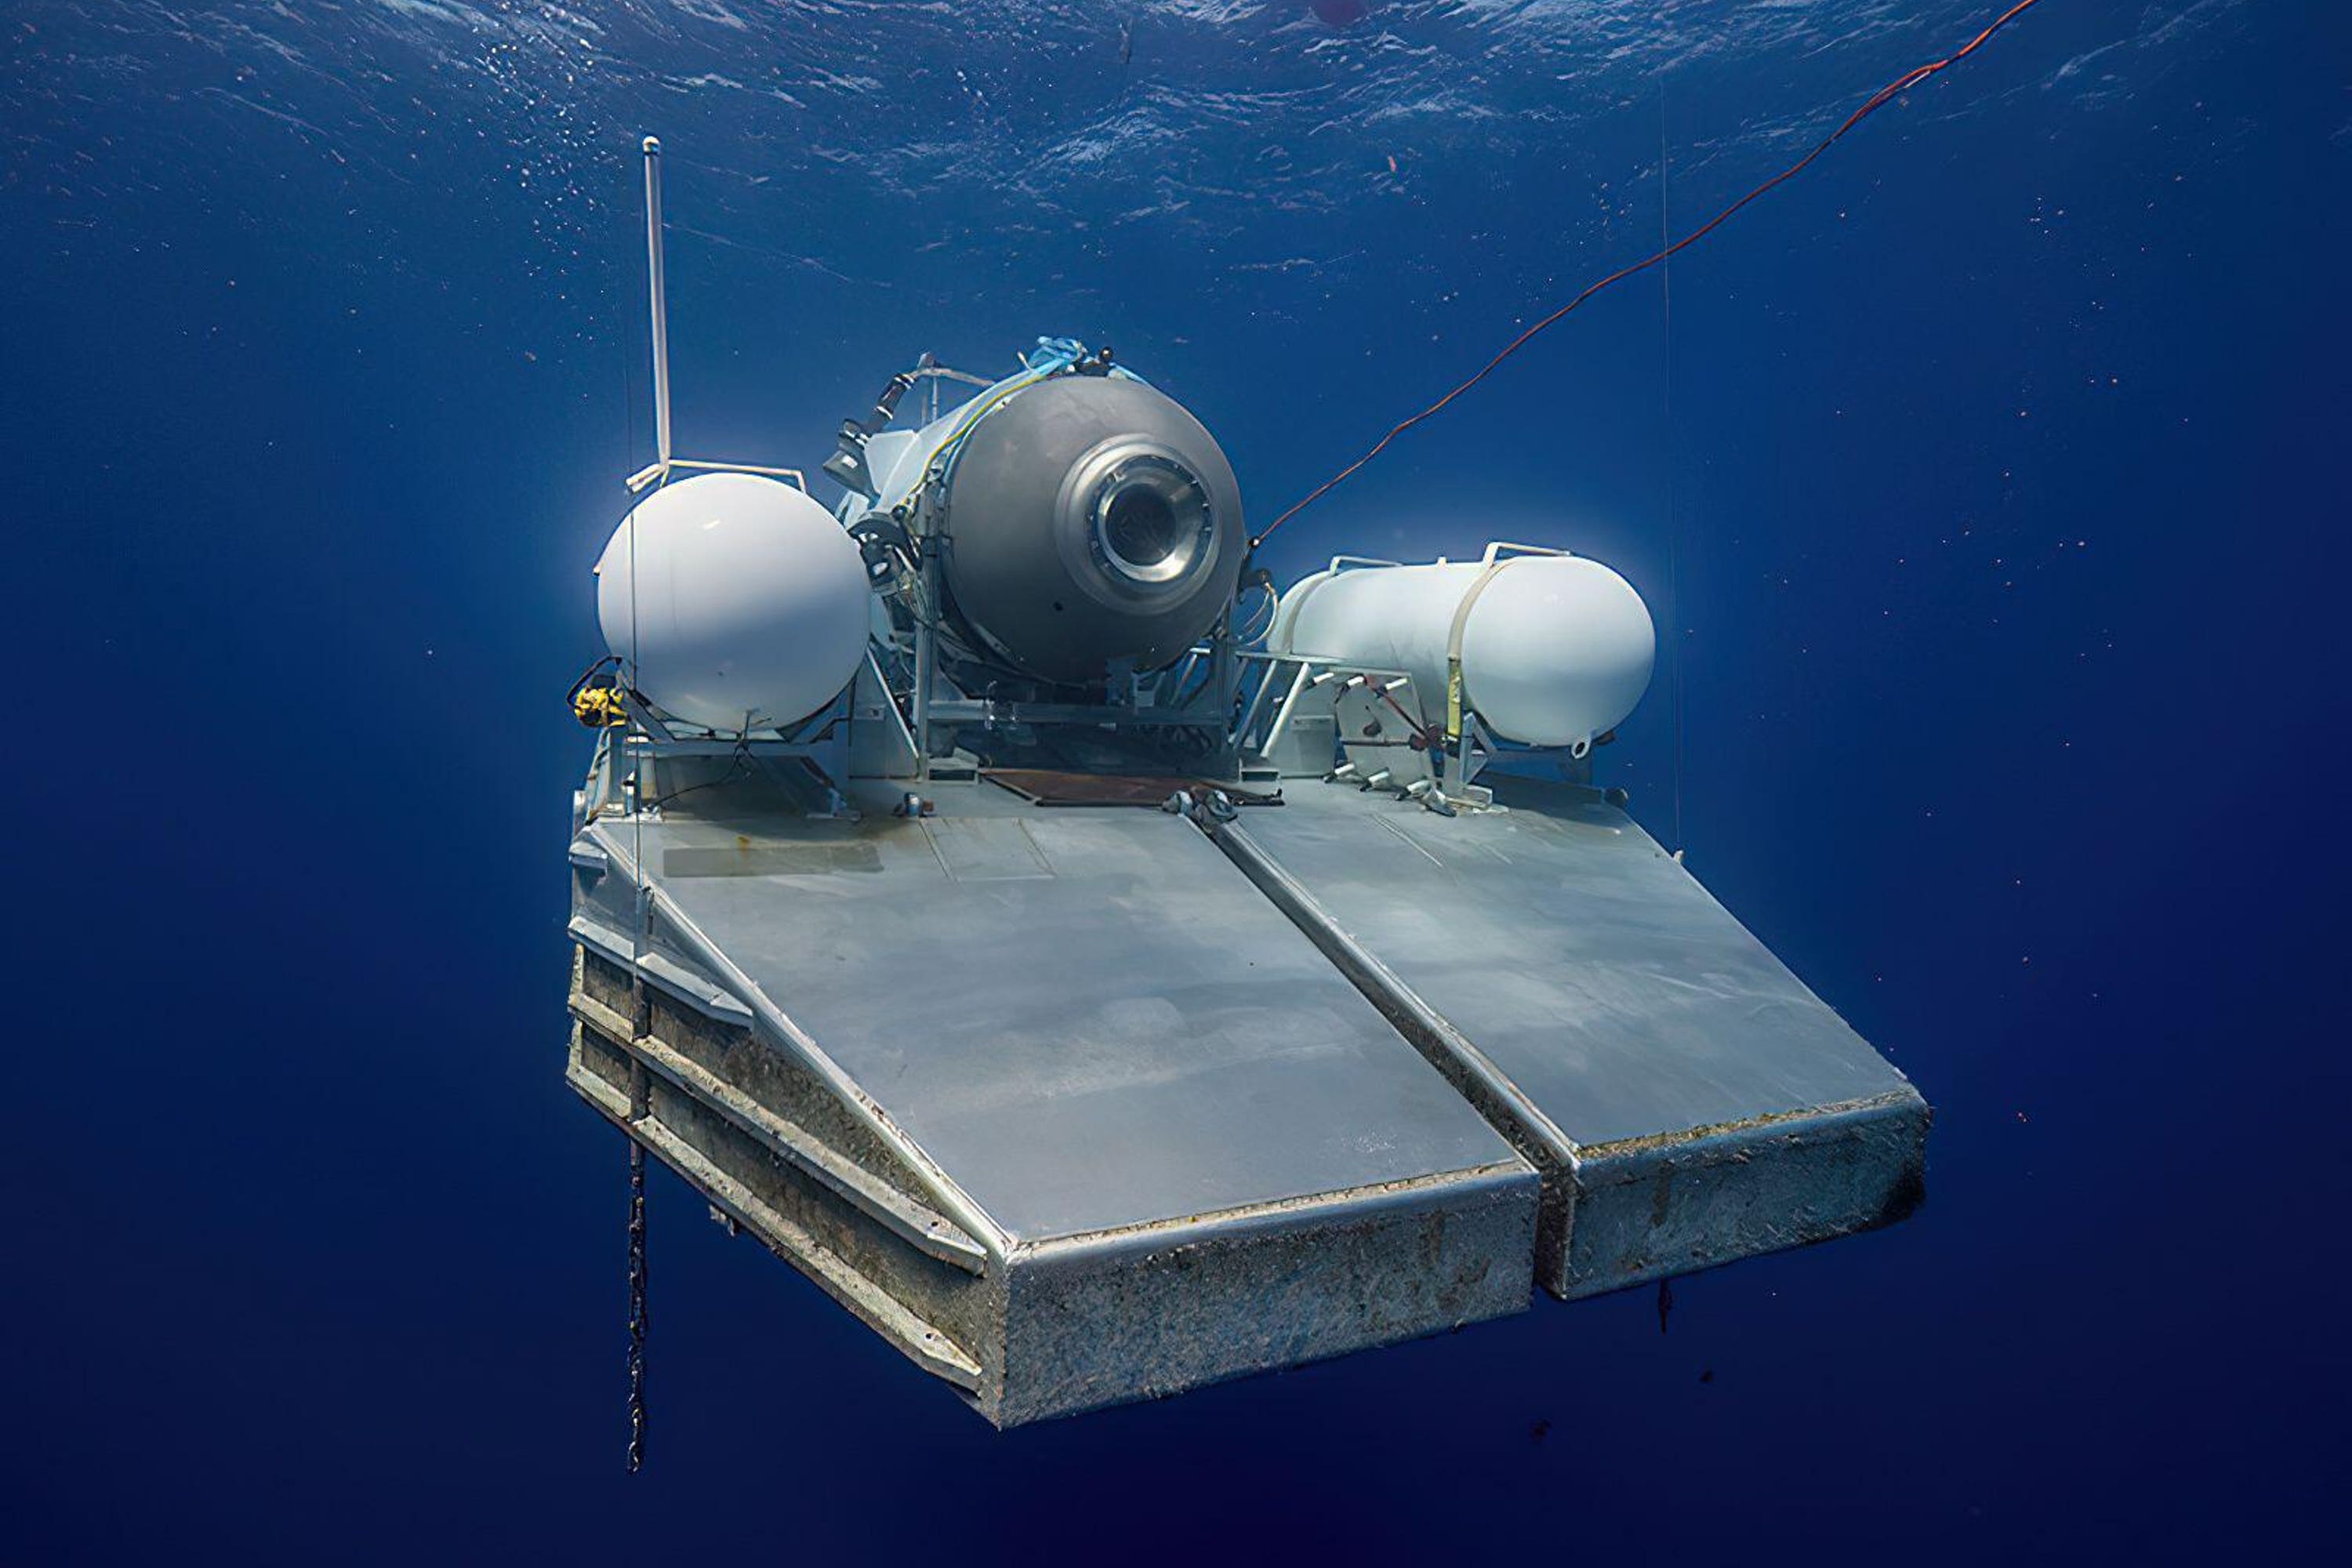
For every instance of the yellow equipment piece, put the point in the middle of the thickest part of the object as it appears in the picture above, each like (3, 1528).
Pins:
(600, 707)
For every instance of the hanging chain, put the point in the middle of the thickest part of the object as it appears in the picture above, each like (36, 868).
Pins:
(640, 1102)
(637, 1306)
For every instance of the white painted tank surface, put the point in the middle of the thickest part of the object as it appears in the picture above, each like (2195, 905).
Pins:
(1555, 649)
(739, 600)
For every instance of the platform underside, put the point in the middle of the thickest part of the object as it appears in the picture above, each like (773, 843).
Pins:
(1083, 1106)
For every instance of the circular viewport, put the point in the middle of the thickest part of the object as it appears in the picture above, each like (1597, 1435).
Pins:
(1151, 520)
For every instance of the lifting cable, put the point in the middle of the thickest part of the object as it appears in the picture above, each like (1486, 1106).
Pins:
(1876, 101)
(1680, 635)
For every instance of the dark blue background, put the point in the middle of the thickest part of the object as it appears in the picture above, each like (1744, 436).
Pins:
(2004, 453)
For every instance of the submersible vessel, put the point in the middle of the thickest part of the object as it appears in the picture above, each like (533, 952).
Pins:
(1105, 976)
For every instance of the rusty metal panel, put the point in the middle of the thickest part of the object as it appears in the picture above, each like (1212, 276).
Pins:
(1042, 787)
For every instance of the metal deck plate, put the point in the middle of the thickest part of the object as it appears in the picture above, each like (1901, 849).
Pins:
(1689, 1100)
(1084, 1018)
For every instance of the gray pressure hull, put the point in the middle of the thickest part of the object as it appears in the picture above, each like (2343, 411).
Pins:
(1076, 1110)
(1092, 519)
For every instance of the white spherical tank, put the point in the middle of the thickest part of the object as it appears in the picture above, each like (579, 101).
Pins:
(739, 601)
(1555, 649)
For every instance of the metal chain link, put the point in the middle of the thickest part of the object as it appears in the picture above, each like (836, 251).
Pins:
(640, 1092)
(637, 1306)
(640, 1104)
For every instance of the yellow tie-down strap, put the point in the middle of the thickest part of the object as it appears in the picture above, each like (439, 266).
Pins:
(1454, 646)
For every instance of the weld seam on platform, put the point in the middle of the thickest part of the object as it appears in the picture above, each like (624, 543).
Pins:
(1467, 1070)
(1386, 990)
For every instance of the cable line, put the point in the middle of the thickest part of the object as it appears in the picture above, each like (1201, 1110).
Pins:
(1877, 101)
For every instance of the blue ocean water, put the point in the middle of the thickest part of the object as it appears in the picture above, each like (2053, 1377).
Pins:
(1987, 479)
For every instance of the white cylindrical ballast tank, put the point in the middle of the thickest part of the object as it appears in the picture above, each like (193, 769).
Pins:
(1555, 649)
(739, 601)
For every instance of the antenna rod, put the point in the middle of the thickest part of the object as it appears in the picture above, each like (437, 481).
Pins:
(658, 290)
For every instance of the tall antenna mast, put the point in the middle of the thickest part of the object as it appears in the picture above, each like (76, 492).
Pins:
(657, 288)
(657, 305)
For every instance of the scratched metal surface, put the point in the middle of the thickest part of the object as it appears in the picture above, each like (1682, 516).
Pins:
(1596, 973)
(1089, 1019)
